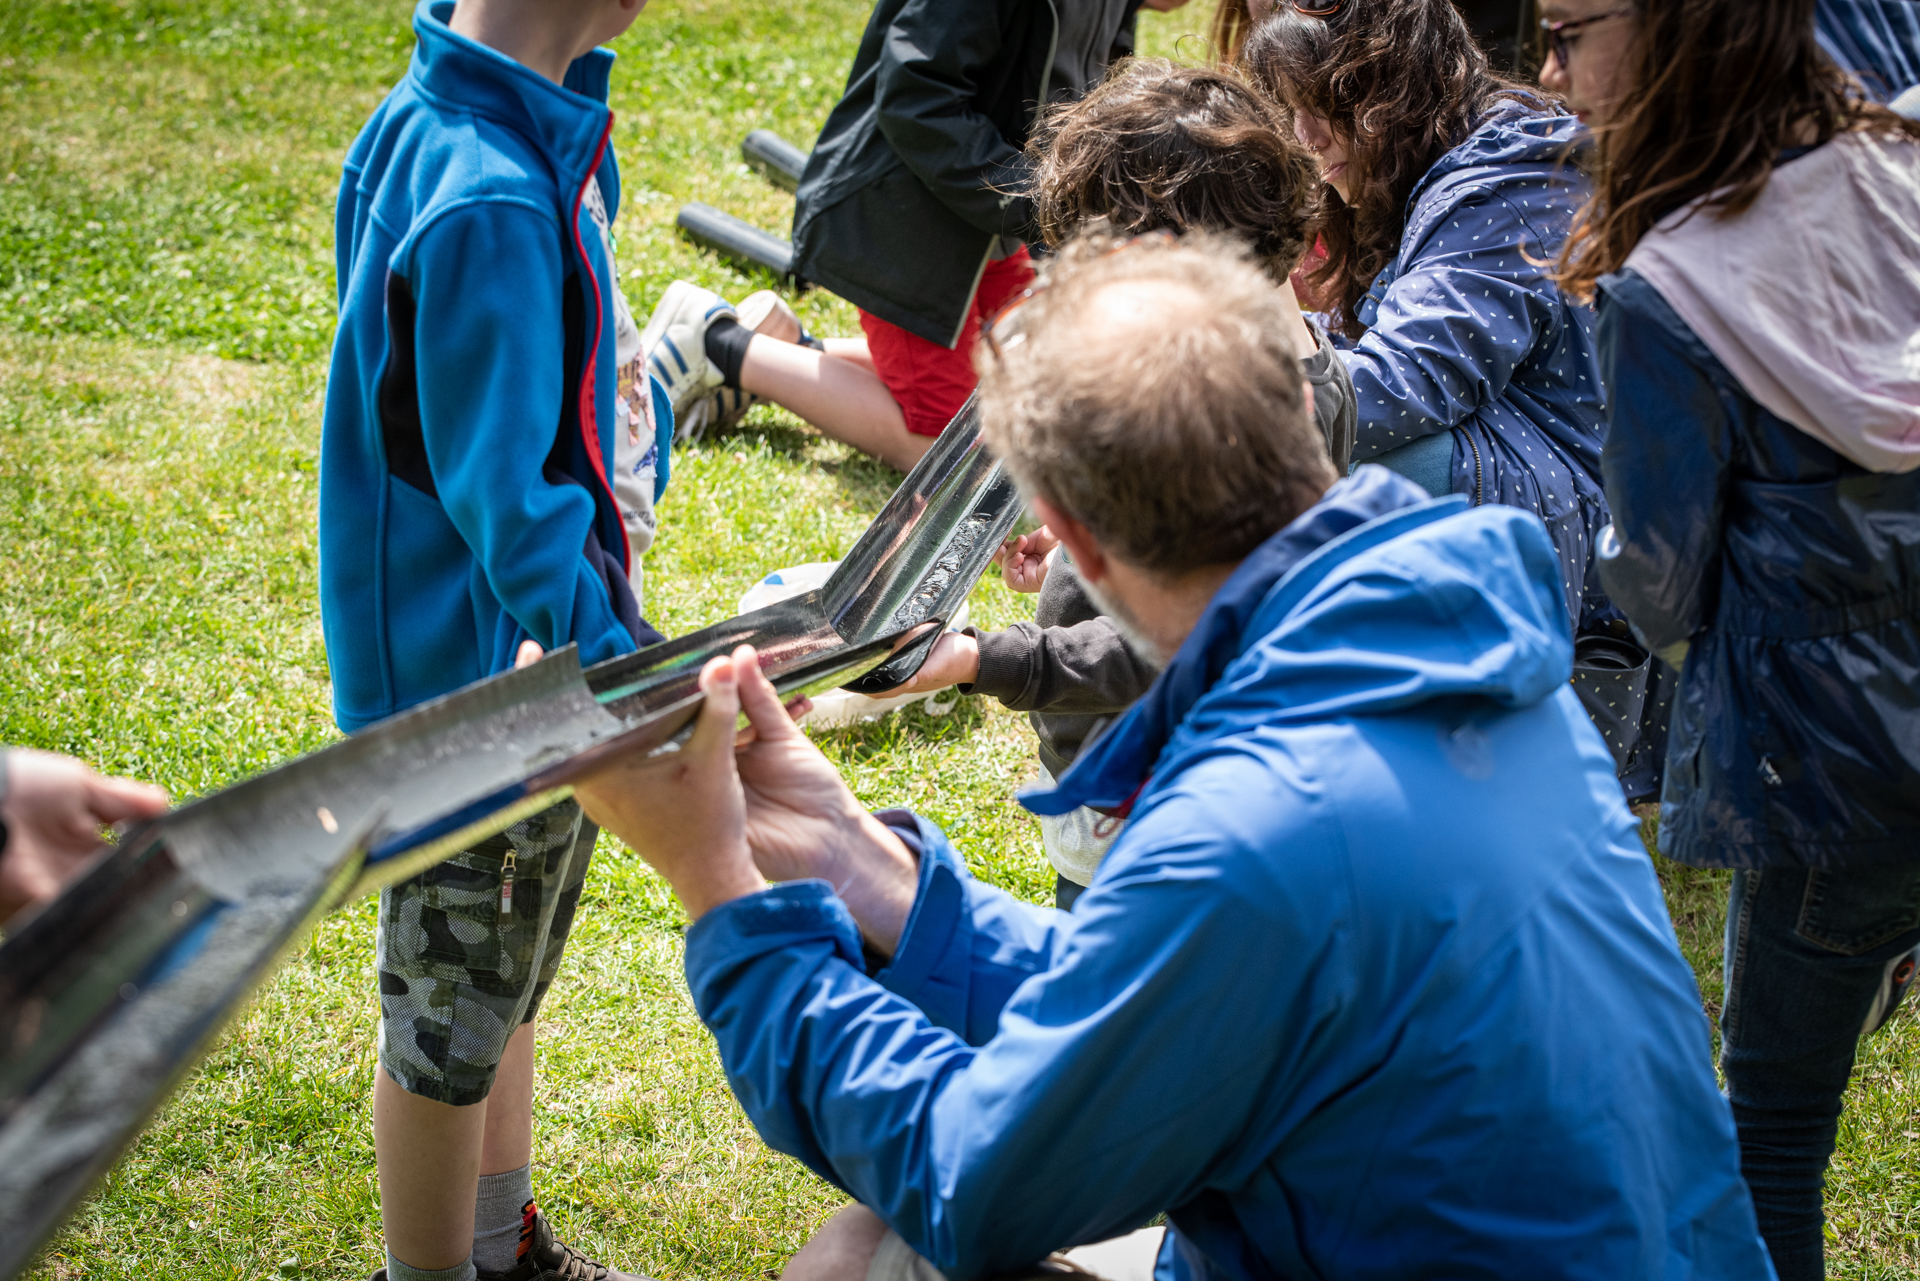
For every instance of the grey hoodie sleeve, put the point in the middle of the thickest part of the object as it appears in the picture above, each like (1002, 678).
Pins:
(1070, 660)
(1334, 411)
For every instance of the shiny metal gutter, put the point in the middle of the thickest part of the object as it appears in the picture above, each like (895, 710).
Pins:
(112, 992)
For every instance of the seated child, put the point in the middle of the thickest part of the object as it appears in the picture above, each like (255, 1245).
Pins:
(1155, 148)
(912, 208)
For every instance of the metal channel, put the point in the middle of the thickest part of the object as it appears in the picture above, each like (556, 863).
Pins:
(114, 990)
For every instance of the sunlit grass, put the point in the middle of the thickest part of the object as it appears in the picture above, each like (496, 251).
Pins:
(167, 171)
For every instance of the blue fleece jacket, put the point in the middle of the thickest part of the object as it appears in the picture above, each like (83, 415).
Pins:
(1467, 331)
(465, 504)
(1377, 982)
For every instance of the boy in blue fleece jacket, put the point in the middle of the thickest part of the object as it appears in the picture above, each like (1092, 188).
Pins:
(485, 405)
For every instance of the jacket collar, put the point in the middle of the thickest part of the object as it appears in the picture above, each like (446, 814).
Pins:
(568, 122)
(1110, 773)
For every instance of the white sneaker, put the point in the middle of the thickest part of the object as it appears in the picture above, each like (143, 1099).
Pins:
(674, 343)
(716, 412)
(721, 409)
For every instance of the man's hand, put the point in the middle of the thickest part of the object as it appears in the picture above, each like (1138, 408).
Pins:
(682, 811)
(54, 808)
(770, 799)
(1023, 560)
(953, 660)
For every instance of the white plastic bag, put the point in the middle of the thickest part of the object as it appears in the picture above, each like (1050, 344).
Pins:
(838, 707)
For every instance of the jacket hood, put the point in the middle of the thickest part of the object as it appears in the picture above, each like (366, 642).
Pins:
(1827, 335)
(1513, 131)
(1375, 600)
(569, 121)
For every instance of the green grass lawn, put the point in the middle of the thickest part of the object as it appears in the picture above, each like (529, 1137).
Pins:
(166, 301)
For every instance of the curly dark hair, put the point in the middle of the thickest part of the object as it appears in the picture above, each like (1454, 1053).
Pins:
(1401, 82)
(1160, 147)
(1716, 90)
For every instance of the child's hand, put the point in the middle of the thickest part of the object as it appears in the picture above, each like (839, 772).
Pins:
(54, 809)
(953, 660)
(1023, 560)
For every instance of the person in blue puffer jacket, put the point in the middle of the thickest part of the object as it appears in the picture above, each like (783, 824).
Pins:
(1324, 1032)
(1759, 289)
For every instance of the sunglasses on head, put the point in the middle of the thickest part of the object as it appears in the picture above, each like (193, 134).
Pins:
(1317, 8)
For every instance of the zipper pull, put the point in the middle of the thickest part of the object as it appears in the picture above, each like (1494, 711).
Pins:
(506, 888)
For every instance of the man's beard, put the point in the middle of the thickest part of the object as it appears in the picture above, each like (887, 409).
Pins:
(1129, 625)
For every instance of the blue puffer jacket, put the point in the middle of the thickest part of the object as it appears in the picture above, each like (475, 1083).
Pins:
(1467, 330)
(464, 497)
(1877, 40)
(1377, 982)
(1795, 575)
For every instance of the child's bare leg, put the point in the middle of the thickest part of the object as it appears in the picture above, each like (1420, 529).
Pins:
(844, 399)
(428, 1155)
(508, 1143)
(851, 349)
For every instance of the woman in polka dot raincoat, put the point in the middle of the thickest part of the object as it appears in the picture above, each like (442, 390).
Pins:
(1451, 194)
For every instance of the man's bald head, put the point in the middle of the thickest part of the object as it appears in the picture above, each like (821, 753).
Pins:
(1150, 393)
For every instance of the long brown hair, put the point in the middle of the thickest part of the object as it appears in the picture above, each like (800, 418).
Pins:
(1716, 90)
(1402, 82)
(1183, 149)
(1232, 20)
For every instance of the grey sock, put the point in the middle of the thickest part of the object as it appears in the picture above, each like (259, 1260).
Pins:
(496, 1218)
(398, 1271)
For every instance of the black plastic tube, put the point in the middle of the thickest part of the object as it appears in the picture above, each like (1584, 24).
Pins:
(774, 156)
(731, 237)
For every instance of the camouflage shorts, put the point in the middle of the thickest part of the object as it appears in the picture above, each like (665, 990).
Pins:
(462, 966)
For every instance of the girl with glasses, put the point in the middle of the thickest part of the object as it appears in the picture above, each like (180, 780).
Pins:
(1754, 245)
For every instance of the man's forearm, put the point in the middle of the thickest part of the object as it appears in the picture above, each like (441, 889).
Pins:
(875, 875)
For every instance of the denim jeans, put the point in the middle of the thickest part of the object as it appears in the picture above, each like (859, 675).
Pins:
(1808, 951)
(1427, 461)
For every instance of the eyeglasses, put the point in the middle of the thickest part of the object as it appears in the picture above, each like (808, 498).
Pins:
(1321, 9)
(998, 331)
(1562, 35)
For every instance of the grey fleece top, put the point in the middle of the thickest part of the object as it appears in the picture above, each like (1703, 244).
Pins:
(1070, 668)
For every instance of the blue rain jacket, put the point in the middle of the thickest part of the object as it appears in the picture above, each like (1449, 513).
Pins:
(1794, 573)
(1877, 40)
(1467, 330)
(465, 504)
(1377, 982)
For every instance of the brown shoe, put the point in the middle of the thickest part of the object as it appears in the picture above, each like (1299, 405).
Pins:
(545, 1259)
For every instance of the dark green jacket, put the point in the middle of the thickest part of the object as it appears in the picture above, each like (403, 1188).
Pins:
(920, 166)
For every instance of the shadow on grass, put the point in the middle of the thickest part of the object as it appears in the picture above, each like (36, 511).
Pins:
(864, 482)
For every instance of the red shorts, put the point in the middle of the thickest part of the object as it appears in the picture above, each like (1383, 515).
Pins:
(929, 381)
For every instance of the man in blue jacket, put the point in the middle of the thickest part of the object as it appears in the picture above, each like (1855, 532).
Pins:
(483, 379)
(1377, 982)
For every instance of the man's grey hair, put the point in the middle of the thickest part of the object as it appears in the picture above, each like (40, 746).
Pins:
(1149, 390)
